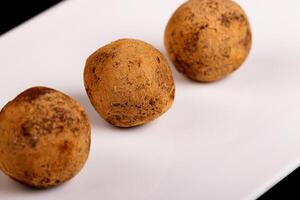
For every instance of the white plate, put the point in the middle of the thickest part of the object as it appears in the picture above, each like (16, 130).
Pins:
(232, 139)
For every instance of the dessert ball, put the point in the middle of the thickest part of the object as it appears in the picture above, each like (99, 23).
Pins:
(44, 137)
(129, 83)
(208, 39)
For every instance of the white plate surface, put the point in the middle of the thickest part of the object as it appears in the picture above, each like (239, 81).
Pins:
(232, 139)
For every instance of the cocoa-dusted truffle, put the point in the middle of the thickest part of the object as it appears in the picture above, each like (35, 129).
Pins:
(208, 39)
(44, 138)
(129, 83)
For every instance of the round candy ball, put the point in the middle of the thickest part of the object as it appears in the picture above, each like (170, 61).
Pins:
(44, 138)
(129, 83)
(208, 39)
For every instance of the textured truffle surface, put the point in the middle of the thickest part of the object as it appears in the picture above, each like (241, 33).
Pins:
(129, 82)
(208, 39)
(44, 138)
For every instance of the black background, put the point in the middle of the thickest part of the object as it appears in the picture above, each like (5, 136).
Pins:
(14, 12)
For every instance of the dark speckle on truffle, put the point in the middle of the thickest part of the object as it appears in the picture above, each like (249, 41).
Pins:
(33, 93)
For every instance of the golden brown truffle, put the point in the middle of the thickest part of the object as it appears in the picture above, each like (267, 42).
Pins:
(129, 82)
(208, 39)
(44, 138)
